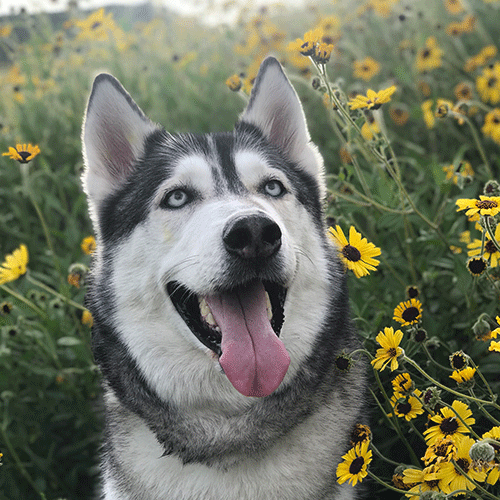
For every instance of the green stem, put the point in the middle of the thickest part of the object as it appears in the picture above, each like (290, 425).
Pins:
(389, 487)
(438, 384)
(53, 292)
(485, 412)
(433, 361)
(491, 234)
(377, 452)
(395, 421)
(24, 300)
(369, 201)
(478, 143)
(481, 376)
(16, 458)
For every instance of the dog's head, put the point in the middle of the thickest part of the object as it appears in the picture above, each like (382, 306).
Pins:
(209, 244)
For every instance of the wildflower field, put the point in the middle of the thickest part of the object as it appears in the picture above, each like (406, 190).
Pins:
(403, 100)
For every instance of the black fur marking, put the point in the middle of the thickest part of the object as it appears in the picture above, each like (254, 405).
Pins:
(224, 144)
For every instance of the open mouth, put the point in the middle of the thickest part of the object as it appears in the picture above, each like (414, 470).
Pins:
(241, 326)
(196, 313)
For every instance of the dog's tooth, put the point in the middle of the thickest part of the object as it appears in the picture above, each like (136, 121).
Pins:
(209, 318)
(204, 309)
(269, 308)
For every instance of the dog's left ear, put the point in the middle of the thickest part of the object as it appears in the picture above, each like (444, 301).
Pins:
(275, 109)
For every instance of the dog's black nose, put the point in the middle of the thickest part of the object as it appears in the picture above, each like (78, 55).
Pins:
(252, 237)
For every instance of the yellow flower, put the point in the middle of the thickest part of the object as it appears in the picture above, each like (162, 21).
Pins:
(360, 434)
(490, 252)
(322, 52)
(428, 114)
(452, 477)
(408, 312)
(96, 27)
(88, 245)
(453, 6)
(481, 58)
(464, 169)
(402, 384)
(486, 205)
(357, 253)
(422, 480)
(443, 450)
(14, 265)
(366, 68)
(491, 127)
(448, 425)
(494, 472)
(5, 30)
(407, 407)
(370, 128)
(307, 46)
(494, 346)
(389, 351)
(87, 318)
(234, 83)
(430, 56)
(23, 153)
(399, 114)
(355, 464)
(372, 100)
(462, 376)
(488, 84)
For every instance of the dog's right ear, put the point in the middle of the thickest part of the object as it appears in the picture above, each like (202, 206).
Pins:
(113, 136)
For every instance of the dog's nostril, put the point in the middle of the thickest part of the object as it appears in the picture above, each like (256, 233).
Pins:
(238, 238)
(271, 233)
(253, 236)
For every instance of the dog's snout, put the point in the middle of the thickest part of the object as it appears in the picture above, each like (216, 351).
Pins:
(252, 237)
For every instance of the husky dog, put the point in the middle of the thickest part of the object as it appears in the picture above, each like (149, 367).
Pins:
(219, 305)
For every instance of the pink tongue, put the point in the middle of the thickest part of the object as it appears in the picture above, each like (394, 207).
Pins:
(253, 358)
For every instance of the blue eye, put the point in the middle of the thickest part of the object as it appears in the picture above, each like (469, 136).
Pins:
(274, 188)
(175, 199)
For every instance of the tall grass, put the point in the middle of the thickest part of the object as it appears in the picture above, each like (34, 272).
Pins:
(394, 173)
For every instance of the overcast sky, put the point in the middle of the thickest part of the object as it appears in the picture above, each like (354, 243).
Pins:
(181, 6)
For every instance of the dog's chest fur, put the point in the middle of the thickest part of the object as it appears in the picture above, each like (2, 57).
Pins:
(299, 466)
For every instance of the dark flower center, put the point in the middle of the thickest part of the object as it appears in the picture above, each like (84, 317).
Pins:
(490, 247)
(392, 352)
(484, 204)
(410, 314)
(25, 156)
(356, 465)
(458, 361)
(404, 408)
(351, 253)
(426, 53)
(477, 266)
(343, 363)
(449, 425)
(492, 81)
(95, 25)
(464, 464)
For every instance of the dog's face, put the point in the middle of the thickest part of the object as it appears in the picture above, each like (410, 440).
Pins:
(210, 248)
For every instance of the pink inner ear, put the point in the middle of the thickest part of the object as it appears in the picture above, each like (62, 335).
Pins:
(118, 153)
